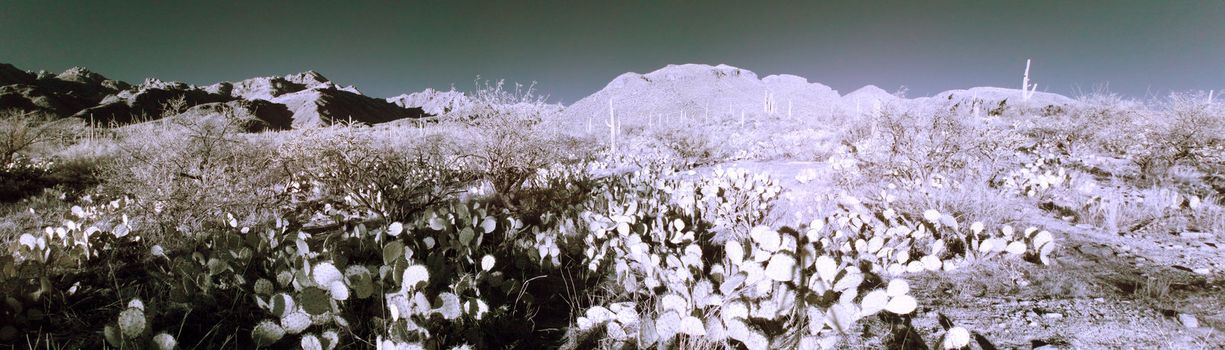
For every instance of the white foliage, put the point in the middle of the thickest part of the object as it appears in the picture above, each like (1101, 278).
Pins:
(668, 325)
(487, 262)
(734, 251)
(692, 326)
(765, 238)
(956, 338)
(450, 308)
(874, 302)
(781, 267)
(901, 305)
(414, 275)
(675, 302)
(827, 269)
(898, 287)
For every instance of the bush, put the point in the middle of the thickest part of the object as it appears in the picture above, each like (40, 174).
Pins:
(693, 145)
(912, 147)
(392, 184)
(510, 138)
(23, 131)
(182, 176)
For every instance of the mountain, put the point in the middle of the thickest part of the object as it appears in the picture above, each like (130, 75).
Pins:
(870, 99)
(10, 75)
(297, 100)
(699, 92)
(144, 102)
(692, 91)
(63, 94)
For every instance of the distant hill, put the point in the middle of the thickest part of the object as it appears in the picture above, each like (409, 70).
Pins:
(703, 91)
(700, 91)
(297, 100)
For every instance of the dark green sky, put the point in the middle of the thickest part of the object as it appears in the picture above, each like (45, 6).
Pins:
(573, 48)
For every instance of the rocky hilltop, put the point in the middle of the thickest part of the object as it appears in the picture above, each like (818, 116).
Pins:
(434, 102)
(703, 91)
(300, 100)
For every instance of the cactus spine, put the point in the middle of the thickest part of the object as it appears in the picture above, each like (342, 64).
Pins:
(1027, 90)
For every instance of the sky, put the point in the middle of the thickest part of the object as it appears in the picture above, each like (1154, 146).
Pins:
(571, 49)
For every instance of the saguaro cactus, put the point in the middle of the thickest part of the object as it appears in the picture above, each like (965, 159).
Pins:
(769, 104)
(614, 127)
(1027, 90)
(974, 102)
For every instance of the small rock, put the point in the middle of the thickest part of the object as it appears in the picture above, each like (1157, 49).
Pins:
(1053, 316)
(1188, 320)
(1203, 271)
(1100, 300)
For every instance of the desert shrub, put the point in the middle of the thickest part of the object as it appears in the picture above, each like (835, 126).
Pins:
(1098, 122)
(21, 132)
(510, 140)
(1207, 214)
(914, 146)
(27, 141)
(1195, 131)
(1123, 210)
(388, 184)
(182, 176)
(692, 145)
(1185, 129)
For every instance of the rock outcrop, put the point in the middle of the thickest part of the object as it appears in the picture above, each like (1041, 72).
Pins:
(433, 101)
(250, 116)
